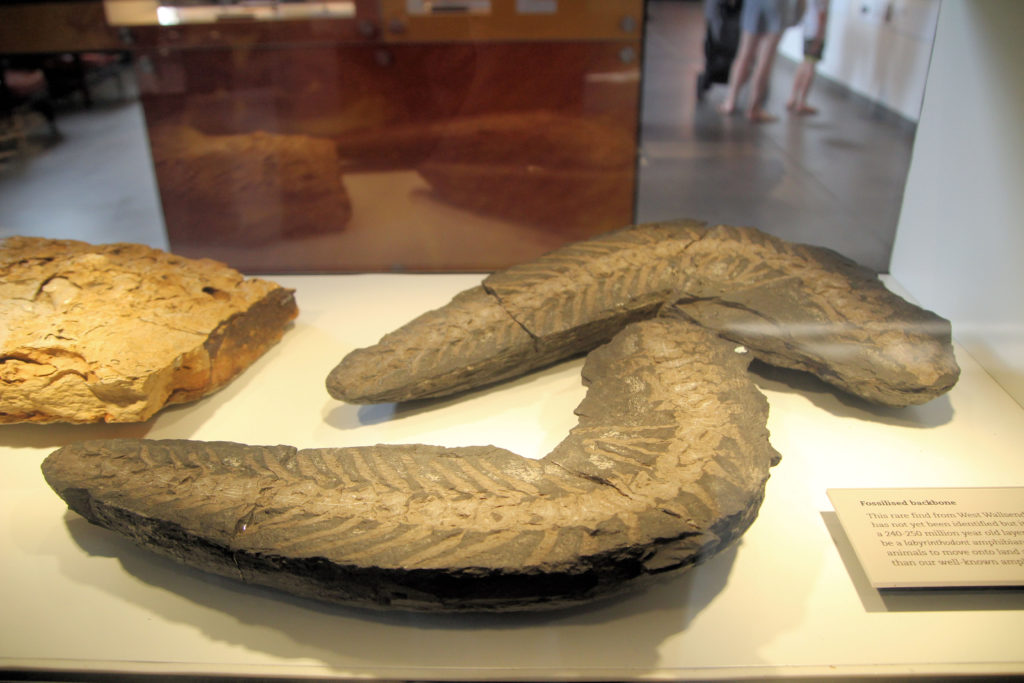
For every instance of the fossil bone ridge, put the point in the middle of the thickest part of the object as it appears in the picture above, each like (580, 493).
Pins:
(651, 479)
(793, 305)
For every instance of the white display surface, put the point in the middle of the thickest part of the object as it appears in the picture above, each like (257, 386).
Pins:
(788, 600)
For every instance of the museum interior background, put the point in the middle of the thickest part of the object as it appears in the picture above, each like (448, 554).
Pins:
(412, 198)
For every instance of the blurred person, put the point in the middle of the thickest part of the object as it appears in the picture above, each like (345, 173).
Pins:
(762, 24)
(814, 22)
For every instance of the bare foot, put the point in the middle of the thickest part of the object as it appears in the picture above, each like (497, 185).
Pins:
(759, 116)
(805, 110)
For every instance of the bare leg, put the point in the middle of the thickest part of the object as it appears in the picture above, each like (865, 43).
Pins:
(766, 47)
(739, 72)
(801, 86)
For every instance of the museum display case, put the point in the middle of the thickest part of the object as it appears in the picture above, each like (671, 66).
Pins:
(353, 138)
(790, 599)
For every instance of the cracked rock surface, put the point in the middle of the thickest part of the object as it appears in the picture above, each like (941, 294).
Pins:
(794, 305)
(115, 332)
(652, 479)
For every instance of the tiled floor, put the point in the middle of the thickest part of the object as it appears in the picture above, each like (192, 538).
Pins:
(94, 184)
(835, 179)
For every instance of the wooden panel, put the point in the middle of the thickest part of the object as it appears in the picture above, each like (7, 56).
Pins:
(352, 155)
(568, 20)
(244, 35)
(55, 27)
(154, 13)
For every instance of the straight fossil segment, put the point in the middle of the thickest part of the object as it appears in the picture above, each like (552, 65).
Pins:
(666, 466)
(795, 305)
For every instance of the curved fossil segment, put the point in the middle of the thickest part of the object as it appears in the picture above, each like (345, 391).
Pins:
(809, 308)
(795, 305)
(666, 466)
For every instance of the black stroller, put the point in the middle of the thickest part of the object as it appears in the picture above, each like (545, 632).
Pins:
(721, 40)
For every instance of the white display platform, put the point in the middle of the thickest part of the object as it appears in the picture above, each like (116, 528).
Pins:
(789, 600)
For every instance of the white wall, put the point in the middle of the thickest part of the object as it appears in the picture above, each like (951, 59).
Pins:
(960, 240)
(877, 48)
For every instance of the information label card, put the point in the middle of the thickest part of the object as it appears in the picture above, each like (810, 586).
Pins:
(929, 538)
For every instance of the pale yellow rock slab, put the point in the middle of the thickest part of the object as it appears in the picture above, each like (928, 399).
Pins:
(113, 333)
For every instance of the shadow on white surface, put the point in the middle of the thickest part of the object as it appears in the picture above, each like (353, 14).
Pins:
(352, 416)
(832, 400)
(916, 599)
(30, 435)
(373, 642)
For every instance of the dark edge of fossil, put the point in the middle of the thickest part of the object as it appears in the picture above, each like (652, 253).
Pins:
(667, 535)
